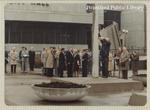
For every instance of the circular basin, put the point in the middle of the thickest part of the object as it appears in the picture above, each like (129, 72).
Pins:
(61, 92)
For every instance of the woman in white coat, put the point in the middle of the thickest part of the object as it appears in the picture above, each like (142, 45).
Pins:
(13, 60)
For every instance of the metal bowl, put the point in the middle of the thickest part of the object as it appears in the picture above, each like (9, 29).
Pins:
(61, 94)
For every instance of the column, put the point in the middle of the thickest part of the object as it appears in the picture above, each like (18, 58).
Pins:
(95, 45)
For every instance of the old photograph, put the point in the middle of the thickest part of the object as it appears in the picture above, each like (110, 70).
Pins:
(76, 54)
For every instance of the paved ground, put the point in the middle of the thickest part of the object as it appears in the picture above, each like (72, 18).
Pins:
(18, 91)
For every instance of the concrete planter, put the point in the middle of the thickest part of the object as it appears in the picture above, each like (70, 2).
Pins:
(61, 94)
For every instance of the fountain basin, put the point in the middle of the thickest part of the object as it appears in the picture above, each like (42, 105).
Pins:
(61, 92)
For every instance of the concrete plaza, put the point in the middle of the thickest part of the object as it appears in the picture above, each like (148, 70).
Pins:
(18, 91)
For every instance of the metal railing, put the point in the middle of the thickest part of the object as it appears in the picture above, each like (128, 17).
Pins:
(141, 52)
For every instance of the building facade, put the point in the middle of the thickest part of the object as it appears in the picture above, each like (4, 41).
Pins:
(67, 25)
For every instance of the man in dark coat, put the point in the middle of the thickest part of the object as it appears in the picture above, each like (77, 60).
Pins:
(85, 63)
(69, 61)
(31, 59)
(61, 64)
(105, 56)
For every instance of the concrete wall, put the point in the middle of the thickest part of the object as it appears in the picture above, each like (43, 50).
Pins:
(133, 21)
(71, 13)
(74, 13)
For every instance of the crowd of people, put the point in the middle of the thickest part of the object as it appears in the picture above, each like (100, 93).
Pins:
(120, 60)
(24, 57)
(75, 62)
(54, 61)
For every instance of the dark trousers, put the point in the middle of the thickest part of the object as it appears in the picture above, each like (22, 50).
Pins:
(56, 71)
(84, 71)
(70, 70)
(31, 66)
(24, 66)
(21, 63)
(125, 74)
(105, 72)
(44, 71)
(60, 72)
(13, 68)
(49, 72)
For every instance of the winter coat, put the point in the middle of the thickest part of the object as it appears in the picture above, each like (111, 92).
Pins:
(77, 62)
(85, 60)
(124, 60)
(49, 59)
(13, 57)
(62, 62)
(32, 57)
(105, 49)
(43, 58)
(69, 58)
(55, 59)
(25, 56)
